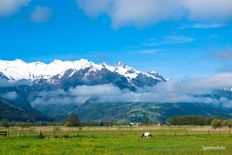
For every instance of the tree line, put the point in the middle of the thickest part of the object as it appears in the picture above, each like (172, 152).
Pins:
(190, 120)
(73, 121)
(70, 121)
(215, 122)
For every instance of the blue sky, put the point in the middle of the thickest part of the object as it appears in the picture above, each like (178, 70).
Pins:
(146, 34)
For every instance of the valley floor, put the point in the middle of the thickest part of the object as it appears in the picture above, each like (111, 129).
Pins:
(167, 140)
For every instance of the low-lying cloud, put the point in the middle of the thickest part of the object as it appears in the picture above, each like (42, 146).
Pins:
(189, 91)
(6, 83)
(10, 95)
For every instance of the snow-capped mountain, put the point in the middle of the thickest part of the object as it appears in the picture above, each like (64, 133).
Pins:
(25, 82)
(54, 90)
(20, 70)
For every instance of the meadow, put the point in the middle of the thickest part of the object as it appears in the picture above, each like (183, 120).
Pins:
(116, 140)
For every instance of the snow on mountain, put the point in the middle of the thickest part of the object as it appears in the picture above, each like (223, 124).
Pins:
(156, 76)
(126, 70)
(18, 69)
(132, 73)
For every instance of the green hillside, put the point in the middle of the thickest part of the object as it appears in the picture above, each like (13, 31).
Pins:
(15, 113)
(136, 112)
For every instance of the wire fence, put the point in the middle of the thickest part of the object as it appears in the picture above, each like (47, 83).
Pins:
(73, 132)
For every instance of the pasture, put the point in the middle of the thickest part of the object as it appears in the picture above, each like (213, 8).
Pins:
(116, 140)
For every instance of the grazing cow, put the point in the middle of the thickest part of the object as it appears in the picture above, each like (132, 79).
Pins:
(146, 134)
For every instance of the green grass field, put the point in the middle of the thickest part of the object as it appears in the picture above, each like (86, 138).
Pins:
(114, 141)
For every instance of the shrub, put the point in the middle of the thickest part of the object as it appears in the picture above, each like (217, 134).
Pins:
(26, 124)
(227, 123)
(5, 123)
(216, 123)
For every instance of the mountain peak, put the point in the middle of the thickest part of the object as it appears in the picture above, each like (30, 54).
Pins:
(37, 63)
(121, 64)
(153, 73)
(56, 61)
(107, 66)
(19, 70)
(84, 60)
(19, 60)
(126, 70)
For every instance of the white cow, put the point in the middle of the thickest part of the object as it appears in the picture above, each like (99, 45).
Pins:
(147, 134)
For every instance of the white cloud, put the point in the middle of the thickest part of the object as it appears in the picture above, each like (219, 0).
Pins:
(149, 51)
(132, 12)
(97, 90)
(208, 9)
(144, 12)
(196, 86)
(211, 25)
(169, 40)
(188, 91)
(10, 95)
(177, 39)
(95, 8)
(8, 7)
(41, 14)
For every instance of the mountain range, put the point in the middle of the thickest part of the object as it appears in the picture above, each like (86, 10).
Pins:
(46, 90)
(20, 70)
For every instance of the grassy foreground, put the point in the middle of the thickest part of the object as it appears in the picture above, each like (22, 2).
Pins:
(129, 143)
(192, 144)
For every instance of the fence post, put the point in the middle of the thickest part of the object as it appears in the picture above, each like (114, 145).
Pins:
(54, 133)
(8, 132)
(78, 132)
(18, 133)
